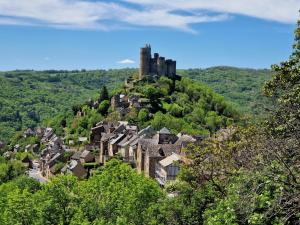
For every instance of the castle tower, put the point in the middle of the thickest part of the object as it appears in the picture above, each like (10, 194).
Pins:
(145, 61)
(161, 66)
(153, 69)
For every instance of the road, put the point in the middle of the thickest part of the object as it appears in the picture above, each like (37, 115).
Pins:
(36, 174)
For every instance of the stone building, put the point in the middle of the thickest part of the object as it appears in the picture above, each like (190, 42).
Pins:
(143, 149)
(152, 150)
(74, 167)
(167, 169)
(156, 65)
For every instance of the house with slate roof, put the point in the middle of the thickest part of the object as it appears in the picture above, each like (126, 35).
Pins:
(142, 149)
(167, 169)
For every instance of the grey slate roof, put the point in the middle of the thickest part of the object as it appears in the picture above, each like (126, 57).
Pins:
(84, 154)
(185, 139)
(170, 159)
(154, 149)
(105, 136)
(54, 159)
(118, 138)
(164, 131)
(76, 155)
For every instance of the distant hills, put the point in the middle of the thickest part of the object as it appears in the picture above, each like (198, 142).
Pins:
(27, 98)
(241, 86)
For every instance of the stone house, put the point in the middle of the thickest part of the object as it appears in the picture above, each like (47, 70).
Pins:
(86, 157)
(113, 144)
(48, 164)
(74, 167)
(76, 156)
(163, 144)
(149, 153)
(119, 101)
(167, 169)
(104, 154)
(124, 145)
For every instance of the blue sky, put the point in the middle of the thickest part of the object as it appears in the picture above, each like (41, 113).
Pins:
(76, 34)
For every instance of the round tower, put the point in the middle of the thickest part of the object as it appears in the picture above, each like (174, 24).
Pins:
(145, 61)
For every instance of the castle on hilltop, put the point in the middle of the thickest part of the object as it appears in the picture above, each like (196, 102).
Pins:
(155, 66)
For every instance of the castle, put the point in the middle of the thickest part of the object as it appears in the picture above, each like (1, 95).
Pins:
(155, 66)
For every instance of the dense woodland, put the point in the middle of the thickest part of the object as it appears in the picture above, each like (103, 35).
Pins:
(28, 98)
(240, 86)
(248, 173)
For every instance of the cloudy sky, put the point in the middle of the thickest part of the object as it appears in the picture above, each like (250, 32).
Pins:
(74, 34)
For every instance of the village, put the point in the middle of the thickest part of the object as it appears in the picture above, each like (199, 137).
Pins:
(157, 154)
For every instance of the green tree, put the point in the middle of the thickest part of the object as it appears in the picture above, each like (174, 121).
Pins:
(118, 194)
(103, 107)
(143, 115)
(103, 94)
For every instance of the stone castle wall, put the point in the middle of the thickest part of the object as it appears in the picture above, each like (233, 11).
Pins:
(155, 66)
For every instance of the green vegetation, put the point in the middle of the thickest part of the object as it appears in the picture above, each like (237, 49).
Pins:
(185, 106)
(28, 98)
(240, 86)
(116, 195)
(181, 106)
(10, 169)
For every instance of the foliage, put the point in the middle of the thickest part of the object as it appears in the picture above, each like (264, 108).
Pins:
(10, 169)
(103, 94)
(116, 195)
(29, 97)
(103, 107)
(240, 86)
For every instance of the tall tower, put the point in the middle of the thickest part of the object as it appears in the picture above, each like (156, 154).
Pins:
(161, 66)
(145, 61)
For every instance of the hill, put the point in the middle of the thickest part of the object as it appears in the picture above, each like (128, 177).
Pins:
(28, 98)
(182, 106)
(240, 86)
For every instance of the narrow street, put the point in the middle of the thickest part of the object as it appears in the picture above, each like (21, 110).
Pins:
(36, 174)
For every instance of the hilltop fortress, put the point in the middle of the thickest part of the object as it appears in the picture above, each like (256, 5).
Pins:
(155, 66)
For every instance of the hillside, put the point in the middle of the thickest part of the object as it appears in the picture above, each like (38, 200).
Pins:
(30, 97)
(241, 86)
(181, 106)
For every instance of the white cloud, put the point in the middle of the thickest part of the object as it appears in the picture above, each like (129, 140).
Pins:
(175, 14)
(126, 61)
(285, 11)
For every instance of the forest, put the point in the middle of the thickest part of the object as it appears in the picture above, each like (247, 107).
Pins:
(28, 98)
(240, 86)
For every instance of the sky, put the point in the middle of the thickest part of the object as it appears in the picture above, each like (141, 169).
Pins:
(98, 34)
